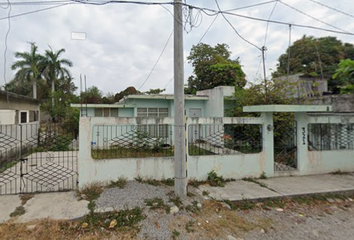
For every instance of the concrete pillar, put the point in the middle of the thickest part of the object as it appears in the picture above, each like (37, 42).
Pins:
(84, 168)
(302, 140)
(268, 143)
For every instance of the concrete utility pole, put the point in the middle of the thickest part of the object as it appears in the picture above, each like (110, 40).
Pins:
(179, 119)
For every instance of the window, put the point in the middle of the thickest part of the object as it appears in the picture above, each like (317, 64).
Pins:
(33, 116)
(106, 112)
(23, 117)
(152, 112)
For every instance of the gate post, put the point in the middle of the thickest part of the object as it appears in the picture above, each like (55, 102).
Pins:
(268, 143)
(302, 140)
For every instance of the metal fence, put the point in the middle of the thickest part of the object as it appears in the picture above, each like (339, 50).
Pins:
(331, 136)
(37, 159)
(131, 141)
(224, 139)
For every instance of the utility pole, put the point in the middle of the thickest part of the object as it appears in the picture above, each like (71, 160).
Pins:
(264, 74)
(179, 118)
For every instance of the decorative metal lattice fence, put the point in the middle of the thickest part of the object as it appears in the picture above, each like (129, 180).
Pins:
(37, 159)
(330, 136)
(131, 141)
(224, 139)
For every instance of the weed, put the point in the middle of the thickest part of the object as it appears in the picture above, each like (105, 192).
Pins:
(176, 200)
(168, 181)
(263, 175)
(248, 179)
(121, 182)
(190, 226)
(195, 183)
(152, 182)
(339, 172)
(189, 194)
(25, 197)
(241, 205)
(18, 211)
(215, 180)
(138, 179)
(157, 203)
(175, 234)
(92, 191)
(205, 193)
(112, 220)
(193, 208)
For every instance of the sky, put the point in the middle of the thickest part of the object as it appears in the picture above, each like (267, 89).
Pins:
(124, 41)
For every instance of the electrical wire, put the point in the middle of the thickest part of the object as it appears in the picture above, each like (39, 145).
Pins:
(35, 11)
(244, 39)
(201, 39)
(334, 9)
(319, 20)
(153, 68)
(249, 6)
(270, 15)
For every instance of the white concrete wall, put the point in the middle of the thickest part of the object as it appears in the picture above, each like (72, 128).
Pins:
(229, 166)
(7, 116)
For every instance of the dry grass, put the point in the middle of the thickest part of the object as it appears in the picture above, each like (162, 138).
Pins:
(25, 198)
(51, 229)
(216, 222)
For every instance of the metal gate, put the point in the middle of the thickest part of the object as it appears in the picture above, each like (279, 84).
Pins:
(37, 158)
(285, 146)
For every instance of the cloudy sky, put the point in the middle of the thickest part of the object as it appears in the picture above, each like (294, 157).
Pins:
(123, 41)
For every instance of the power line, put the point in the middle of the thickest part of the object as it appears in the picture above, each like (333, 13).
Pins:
(254, 5)
(197, 44)
(35, 11)
(270, 15)
(334, 9)
(163, 50)
(244, 39)
(319, 20)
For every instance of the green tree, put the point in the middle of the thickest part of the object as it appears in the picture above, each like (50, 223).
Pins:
(315, 57)
(345, 75)
(55, 67)
(128, 91)
(30, 67)
(92, 95)
(155, 91)
(213, 67)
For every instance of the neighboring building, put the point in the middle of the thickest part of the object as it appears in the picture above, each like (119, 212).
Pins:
(206, 103)
(305, 85)
(16, 109)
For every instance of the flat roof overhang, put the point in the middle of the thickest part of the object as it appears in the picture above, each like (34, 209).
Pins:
(77, 105)
(288, 108)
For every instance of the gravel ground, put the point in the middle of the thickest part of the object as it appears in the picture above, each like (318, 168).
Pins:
(327, 221)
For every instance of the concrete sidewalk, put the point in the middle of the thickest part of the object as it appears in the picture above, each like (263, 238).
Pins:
(66, 206)
(282, 187)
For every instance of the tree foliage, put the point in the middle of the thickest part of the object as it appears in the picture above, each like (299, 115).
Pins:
(128, 91)
(155, 91)
(315, 57)
(213, 67)
(345, 75)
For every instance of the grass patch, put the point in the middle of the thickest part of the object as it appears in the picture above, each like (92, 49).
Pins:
(195, 183)
(124, 219)
(91, 191)
(168, 182)
(197, 151)
(241, 205)
(205, 193)
(190, 226)
(8, 165)
(257, 182)
(157, 203)
(175, 234)
(120, 183)
(122, 152)
(175, 200)
(18, 211)
(214, 180)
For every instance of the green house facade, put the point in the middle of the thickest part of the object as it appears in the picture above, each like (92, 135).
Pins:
(206, 103)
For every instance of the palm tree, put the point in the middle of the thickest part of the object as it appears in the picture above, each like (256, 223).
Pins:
(55, 67)
(30, 67)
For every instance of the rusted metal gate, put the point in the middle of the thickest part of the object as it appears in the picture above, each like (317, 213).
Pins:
(37, 159)
(285, 146)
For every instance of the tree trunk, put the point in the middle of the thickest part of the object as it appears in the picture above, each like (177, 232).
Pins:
(34, 86)
(53, 93)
